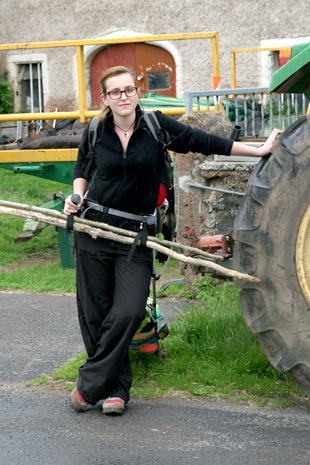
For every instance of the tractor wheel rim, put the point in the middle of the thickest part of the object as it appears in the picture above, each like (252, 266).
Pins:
(303, 255)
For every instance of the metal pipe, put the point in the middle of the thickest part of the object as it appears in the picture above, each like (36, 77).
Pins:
(245, 110)
(39, 87)
(288, 109)
(262, 113)
(271, 111)
(88, 114)
(223, 191)
(279, 110)
(215, 50)
(28, 169)
(296, 107)
(304, 109)
(235, 132)
(236, 110)
(253, 114)
(213, 35)
(226, 106)
(233, 70)
(31, 88)
(81, 82)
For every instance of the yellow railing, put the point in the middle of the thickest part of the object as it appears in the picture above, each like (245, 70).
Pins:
(246, 50)
(83, 113)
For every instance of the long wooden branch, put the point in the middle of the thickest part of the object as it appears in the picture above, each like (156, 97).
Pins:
(114, 229)
(96, 232)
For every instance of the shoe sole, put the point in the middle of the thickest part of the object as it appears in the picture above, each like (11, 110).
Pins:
(113, 411)
(79, 409)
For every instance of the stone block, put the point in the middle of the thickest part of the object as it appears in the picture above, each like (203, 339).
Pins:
(208, 212)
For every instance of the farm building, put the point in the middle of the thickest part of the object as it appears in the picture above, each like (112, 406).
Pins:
(168, 67)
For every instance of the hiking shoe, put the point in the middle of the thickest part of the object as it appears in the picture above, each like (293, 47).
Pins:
(113, 406)
(77, 401)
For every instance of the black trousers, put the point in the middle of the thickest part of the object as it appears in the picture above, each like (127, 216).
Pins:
(111, 299)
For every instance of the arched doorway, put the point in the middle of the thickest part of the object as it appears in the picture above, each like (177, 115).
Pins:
(153, 66)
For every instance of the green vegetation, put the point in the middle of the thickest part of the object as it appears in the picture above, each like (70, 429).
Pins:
(34, 265)
(210, 352)
(286, 106)
(6, 94)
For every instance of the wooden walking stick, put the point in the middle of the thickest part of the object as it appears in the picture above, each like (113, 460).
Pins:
(96, 229)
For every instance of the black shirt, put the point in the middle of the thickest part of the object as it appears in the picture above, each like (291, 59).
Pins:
(130, 181)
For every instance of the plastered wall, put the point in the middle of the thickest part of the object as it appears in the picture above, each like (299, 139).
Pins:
(240, 24)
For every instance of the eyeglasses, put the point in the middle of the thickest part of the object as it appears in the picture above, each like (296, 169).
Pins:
(116, 94)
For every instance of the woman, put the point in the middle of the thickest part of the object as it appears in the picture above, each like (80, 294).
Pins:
(112, 291)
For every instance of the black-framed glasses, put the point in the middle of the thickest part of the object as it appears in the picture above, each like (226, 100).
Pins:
(116, 94)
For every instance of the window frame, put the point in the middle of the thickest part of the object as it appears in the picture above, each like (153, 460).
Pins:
(15, 63)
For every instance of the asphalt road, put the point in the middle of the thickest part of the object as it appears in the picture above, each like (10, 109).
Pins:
(38, 333)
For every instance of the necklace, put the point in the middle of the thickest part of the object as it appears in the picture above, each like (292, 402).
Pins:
(126, 133)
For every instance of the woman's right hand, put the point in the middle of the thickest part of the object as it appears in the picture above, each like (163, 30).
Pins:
(70, 207)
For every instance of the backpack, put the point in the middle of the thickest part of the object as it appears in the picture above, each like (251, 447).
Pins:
(153, 329)
(160, 135)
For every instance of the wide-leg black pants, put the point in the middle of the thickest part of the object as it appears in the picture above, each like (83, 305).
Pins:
(111, 299)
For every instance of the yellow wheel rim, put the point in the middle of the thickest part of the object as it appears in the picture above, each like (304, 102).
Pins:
(303, 255)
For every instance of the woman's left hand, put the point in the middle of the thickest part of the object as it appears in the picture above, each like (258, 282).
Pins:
(266, 148)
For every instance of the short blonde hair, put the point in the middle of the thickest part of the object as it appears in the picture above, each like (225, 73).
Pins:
(108, 73)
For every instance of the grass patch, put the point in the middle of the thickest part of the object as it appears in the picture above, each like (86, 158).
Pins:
(12, 252)
(25, 188)
(41, 278)
(18, 261)
(28, 190)
(210, 353)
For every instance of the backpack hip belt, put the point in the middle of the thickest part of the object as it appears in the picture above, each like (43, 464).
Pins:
(146, 221)
(90, 205)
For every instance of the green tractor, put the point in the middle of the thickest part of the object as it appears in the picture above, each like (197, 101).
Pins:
(272, 238)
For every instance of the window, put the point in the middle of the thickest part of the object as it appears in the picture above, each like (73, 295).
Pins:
(31, 87)
(158, 80)
(28, 73)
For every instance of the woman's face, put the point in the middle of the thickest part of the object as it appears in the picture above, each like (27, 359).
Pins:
(123, 106)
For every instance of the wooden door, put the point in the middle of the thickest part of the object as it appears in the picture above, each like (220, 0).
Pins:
(153, 66)
(123, 54)
(155, 70)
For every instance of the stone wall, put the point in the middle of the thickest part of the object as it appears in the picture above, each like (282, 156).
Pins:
(209, 212)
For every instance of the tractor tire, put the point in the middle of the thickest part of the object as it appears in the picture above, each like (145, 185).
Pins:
(272, 242)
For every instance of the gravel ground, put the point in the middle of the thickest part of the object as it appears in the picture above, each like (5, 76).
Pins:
(37, 425)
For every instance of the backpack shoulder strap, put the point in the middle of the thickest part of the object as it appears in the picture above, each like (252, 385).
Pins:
(89, 165)
(92, 131)
(160, 135)
(163, 138)
(152, 124)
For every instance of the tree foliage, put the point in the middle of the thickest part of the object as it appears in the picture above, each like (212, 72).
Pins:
(6, 93)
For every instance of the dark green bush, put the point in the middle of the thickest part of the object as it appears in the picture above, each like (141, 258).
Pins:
(6, 94)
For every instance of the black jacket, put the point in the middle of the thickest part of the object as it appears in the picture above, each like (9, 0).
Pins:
(130, 181)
